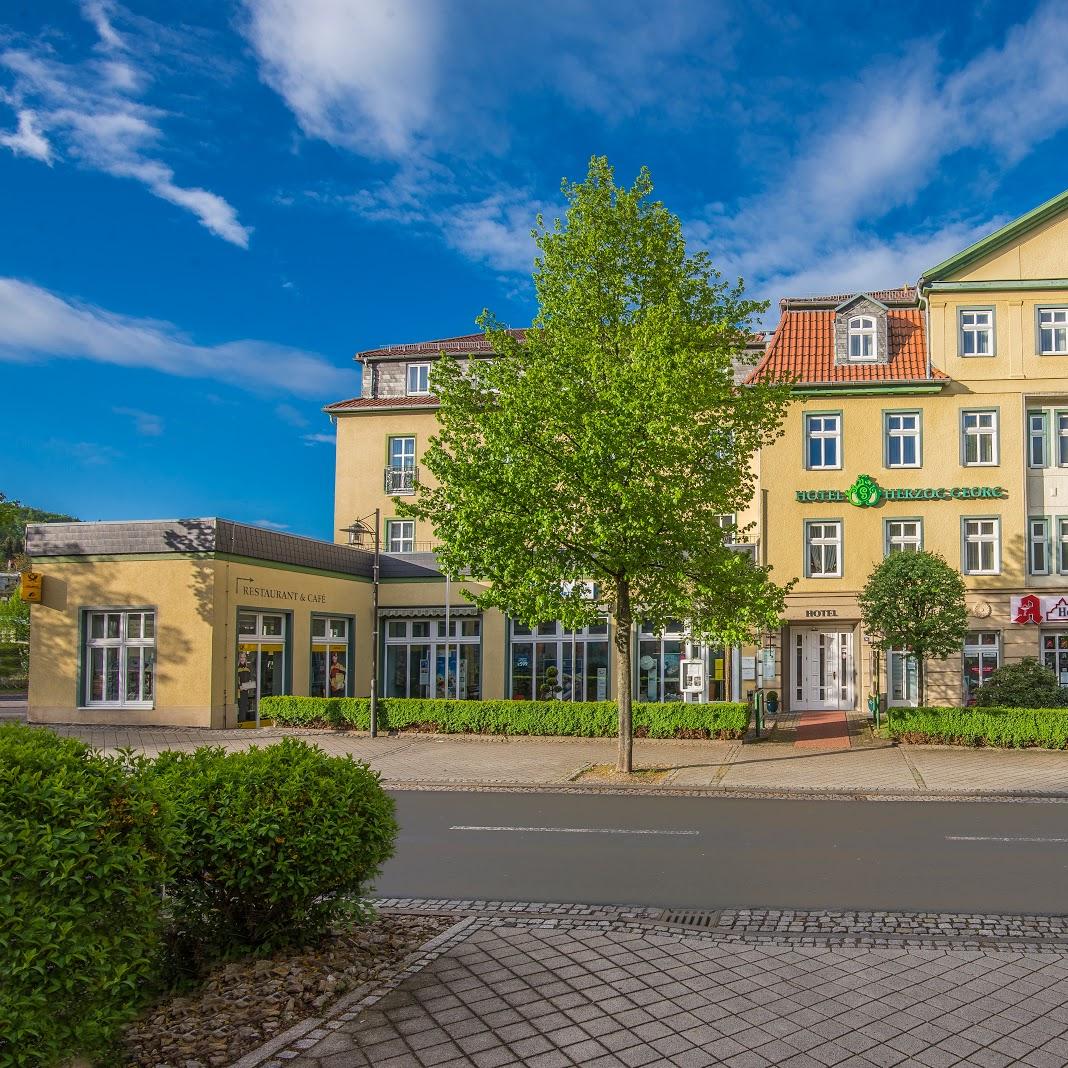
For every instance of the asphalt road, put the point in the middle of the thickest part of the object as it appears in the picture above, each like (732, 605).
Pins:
(722, 853)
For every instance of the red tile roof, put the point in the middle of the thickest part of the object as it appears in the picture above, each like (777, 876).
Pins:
(454, 346)
(802, 349)
(381, 403)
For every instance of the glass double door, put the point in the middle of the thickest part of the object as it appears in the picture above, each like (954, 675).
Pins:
(261, 661)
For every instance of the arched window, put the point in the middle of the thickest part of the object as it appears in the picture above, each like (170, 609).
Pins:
(862, 338)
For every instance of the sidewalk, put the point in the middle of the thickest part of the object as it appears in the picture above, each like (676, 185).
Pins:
(875, 769)
(551, 986)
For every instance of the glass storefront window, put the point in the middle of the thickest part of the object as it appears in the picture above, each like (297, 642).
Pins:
(119, 659)
(1055, 654)
(659, 676)
(558, 664)
(330, 656)
(417, 665)
(982, 656)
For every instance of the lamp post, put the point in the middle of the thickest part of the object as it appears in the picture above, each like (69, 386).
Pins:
(357, 531)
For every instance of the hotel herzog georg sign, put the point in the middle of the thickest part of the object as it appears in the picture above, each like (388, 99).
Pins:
(867, 493)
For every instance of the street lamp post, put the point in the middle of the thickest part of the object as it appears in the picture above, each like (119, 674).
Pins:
(357, 531)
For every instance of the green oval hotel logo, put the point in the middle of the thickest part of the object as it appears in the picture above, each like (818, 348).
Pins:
(865, 492)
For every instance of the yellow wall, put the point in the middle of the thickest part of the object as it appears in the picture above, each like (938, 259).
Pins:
(862, 453)
(362, 456)
(256, 586)
(1041, 253)
(180, 591)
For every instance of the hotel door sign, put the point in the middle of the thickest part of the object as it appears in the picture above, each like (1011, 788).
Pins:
(1030, 608)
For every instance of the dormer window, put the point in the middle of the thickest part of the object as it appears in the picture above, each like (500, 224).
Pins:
(861, 337)
(418, 379)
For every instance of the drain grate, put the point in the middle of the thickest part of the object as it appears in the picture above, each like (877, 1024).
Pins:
(691, 918)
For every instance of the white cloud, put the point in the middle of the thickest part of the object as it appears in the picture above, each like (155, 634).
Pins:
(146, 423)
(36, 324)
(87, 453)
(356, 73)
(320, 439)
(290, 415)
(883, 144)
(91, 110)
(28, 140)
(269, 524)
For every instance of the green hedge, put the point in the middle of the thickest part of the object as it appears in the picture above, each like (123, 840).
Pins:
(1010, 728)
(584, 719)
(85, 845)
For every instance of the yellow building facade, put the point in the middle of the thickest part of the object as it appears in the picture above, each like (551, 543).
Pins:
(932, 416)
(952, 398)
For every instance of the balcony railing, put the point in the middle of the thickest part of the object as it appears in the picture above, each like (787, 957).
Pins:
(401, 480)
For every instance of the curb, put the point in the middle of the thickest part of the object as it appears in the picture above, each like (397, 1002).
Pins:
(805, 793)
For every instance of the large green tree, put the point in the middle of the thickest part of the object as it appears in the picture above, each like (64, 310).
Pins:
(915, 601)
(607, 444)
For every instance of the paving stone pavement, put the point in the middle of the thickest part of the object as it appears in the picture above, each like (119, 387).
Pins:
(552, 992)
(421, 760)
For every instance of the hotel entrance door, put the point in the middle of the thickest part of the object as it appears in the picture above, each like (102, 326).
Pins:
(823, 669)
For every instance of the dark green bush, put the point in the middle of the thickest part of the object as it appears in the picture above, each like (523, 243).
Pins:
(274, 842)
(585, 719)
(85, 842)
(1013, 728)
(1024, 685)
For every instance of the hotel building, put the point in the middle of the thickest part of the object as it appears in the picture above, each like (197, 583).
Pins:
(933, 416)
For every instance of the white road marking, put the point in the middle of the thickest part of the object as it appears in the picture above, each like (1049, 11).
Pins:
(569, 830)
(993, 838)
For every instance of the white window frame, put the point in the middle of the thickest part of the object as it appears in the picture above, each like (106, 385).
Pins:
(862, 329)
(1037, 434)
(400, 533)
(404, 459)
(125, 642)
(976, 646)
(973, 324)
(1052, 320)
(422, 379)
(823, 435)
(823, 541)
(1038, 545)
(1060, 530)
(977, 433)
(901, 434)
(974, 533)
(900, 541)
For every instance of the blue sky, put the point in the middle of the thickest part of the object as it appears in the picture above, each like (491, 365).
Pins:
(201, 220)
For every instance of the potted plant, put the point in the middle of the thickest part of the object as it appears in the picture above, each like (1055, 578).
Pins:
(771, 702)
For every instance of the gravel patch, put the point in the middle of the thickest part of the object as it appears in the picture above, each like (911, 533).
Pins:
(244, 1003)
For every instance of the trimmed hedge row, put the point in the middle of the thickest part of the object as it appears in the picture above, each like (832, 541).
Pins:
(1010, 728)
(584, 719)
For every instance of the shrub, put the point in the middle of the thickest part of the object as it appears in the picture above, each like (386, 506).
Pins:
(1024, 685)
(84, 846)
(585, 719)
(1014, 728)
(274, 841)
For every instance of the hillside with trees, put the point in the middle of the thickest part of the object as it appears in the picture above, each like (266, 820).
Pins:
(14, 515)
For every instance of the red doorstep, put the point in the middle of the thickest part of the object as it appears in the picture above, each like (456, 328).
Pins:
(822, 730)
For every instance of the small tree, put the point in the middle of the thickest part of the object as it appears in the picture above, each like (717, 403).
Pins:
(15, 632)
(915, 601)
(609, 442)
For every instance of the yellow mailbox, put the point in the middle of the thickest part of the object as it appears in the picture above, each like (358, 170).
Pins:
(30, 588)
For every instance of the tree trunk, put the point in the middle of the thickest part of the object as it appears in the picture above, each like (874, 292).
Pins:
(921, 683)
(621, 620)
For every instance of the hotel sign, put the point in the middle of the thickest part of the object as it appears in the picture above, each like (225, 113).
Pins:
(867, 493)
